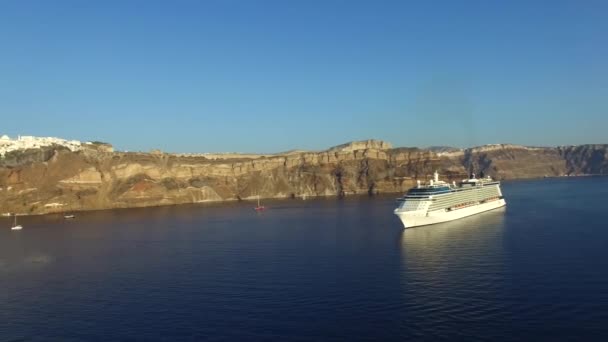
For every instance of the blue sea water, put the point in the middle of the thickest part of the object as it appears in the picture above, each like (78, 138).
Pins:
(322, 269)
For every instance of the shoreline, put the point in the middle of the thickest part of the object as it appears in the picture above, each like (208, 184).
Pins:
(275, 198)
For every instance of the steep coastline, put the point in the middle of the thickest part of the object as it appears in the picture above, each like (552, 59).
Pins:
(55, 179)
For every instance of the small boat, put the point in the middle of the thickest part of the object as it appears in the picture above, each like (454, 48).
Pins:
(15, 225)
(69, 215)
(259, 207)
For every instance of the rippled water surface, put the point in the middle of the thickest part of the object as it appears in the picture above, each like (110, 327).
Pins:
(315, 269)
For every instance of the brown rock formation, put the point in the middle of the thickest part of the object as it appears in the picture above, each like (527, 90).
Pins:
(54, 179)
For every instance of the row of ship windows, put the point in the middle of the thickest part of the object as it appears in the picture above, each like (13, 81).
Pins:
(463, 204)
(475, 195)
(459, 200)
(472, 196)
(456, 198)
(425, 192)
(484, 191)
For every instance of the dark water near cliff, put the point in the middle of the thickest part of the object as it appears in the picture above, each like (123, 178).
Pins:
(316, 269)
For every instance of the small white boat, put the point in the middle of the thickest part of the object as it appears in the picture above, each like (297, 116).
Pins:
(69, 215)
(259, 207)
(15, 225)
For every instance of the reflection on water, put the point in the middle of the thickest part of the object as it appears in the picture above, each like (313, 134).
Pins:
(455, 268)
(453, 249)
(440, 240)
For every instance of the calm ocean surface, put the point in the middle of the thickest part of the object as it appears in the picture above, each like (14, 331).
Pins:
(316, 269)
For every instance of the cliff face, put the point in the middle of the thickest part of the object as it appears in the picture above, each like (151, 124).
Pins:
(585, 159)
(55, 179)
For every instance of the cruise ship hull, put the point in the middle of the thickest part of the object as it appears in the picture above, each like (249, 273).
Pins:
(422, 218)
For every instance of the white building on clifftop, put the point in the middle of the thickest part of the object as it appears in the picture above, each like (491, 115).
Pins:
(29, 142)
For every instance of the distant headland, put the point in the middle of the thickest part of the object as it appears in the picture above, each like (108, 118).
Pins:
(45, 175)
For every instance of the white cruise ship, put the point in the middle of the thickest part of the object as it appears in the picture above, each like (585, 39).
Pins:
(439, 201)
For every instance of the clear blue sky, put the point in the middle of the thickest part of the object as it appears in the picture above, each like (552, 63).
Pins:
(267, 76)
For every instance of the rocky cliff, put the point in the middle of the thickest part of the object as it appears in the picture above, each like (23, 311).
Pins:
(54, 179)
